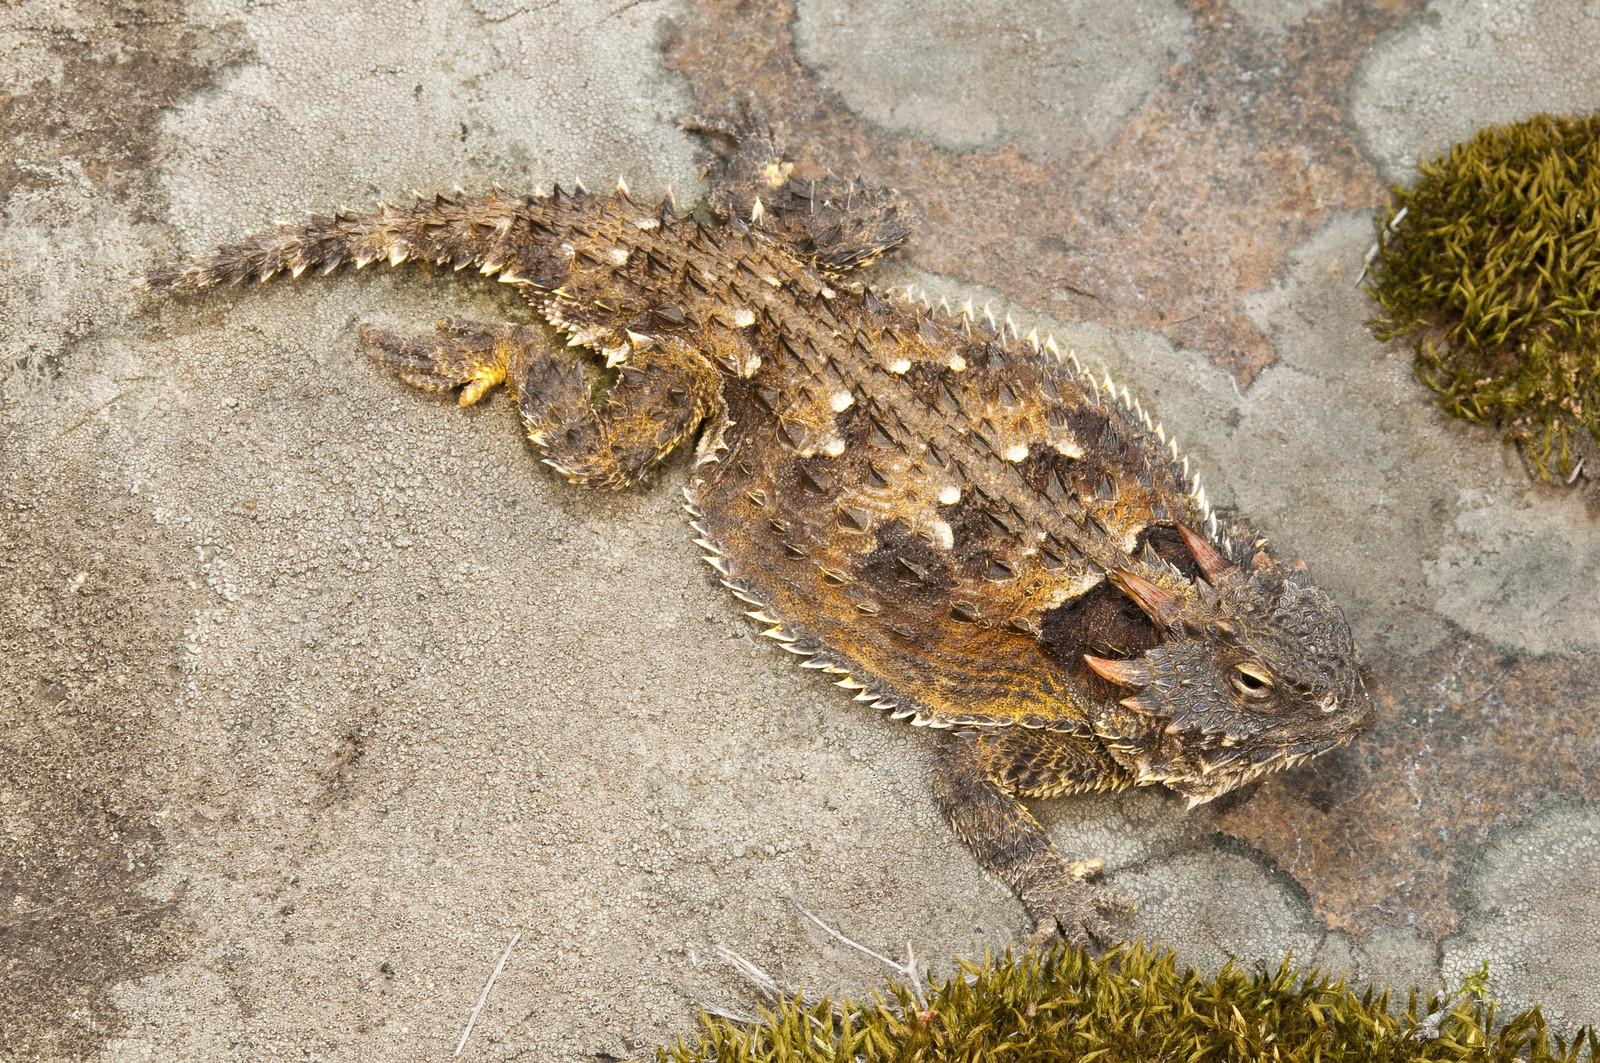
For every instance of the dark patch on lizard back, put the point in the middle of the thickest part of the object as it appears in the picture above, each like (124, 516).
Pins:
(1102, 621)
(905, 571)
(1106, 622)
(1167, 544)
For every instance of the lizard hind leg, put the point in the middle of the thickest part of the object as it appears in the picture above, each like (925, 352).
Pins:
(977, 781)
(659, 396)
(662, 391)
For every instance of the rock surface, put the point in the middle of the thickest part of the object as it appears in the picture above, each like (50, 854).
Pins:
(313, 691)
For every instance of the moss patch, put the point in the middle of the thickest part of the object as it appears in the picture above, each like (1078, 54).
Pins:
(1134, 1005)
(1492, 261)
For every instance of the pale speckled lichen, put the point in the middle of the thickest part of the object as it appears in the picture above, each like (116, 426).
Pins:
(1135, 1005)
(1492, 261)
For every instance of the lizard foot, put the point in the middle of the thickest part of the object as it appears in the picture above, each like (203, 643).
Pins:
(1069, 905)
(468, 353)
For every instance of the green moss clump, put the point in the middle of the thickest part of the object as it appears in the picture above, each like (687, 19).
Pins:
(1132, 1005)
(1495, 267)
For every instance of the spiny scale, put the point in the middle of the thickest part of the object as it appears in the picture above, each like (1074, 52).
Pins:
(946, 514)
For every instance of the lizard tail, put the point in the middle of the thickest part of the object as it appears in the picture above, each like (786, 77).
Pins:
(460, 231)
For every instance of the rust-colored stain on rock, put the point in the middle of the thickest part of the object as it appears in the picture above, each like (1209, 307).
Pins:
(101, 112)
(83, 609)
(1238, 157)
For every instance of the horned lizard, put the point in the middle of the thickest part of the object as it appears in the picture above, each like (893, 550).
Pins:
(956, 522)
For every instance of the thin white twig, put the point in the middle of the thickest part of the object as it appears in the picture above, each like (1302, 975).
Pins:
(908, 969)
(473, 1018)
(1383, 238)
(767, 985)
(764, 982)
(739, 1017)
(1366, 263)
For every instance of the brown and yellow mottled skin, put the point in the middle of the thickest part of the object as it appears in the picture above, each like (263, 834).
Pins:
(959, 525)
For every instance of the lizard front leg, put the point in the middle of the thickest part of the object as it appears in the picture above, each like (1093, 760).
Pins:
(978, 779)
(662, 392)
(838, 225)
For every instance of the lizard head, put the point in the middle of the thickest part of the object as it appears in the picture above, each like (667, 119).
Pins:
(1256, 670)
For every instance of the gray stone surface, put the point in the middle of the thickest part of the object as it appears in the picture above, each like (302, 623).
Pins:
(343, 104)
(1054, 79)
(1276, 17)
(367, 691)
(1463, 65)
(1535, 921)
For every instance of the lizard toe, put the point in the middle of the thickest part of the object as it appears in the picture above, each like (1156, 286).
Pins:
(1078, 912)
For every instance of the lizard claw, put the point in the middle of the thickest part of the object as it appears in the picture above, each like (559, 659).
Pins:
(1068, 905)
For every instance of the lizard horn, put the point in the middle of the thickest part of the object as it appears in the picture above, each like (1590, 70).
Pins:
(1159, 604)
(1131, 673)
(1211, 562)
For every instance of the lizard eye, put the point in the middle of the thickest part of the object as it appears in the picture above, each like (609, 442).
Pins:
(1252, 680)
